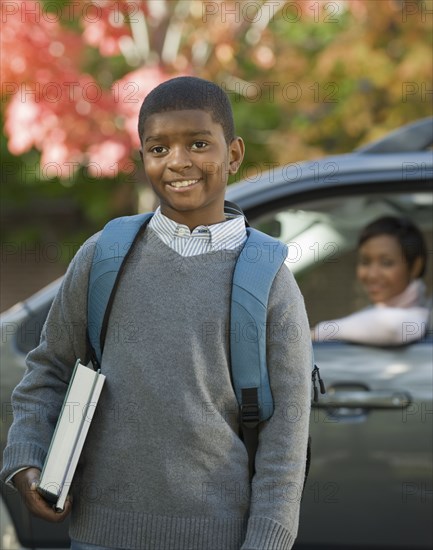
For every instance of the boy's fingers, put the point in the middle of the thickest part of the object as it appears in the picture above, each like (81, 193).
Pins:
(41, 508)
(27, 483)
(67, 509)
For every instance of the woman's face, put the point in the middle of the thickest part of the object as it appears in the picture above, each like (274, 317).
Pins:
(382, 268)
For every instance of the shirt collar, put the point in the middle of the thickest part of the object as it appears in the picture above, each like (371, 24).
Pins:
(229, 234)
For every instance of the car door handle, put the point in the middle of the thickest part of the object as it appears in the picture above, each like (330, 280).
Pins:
(364, 399)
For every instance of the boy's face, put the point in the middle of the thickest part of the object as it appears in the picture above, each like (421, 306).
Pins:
(187, 162)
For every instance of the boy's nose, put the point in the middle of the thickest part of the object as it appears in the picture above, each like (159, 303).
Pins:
(179, 159)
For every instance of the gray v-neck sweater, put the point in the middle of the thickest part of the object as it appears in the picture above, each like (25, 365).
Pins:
(163, 467)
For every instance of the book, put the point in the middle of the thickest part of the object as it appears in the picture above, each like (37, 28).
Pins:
(70, 434)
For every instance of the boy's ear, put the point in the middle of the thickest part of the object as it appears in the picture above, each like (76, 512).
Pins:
(236, 154)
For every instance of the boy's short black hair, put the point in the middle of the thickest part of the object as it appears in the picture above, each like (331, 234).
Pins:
(189, 92)
(408, 235)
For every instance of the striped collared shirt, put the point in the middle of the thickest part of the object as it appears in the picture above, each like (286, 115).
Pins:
(227, 235)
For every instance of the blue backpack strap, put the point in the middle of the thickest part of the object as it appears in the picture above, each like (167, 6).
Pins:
(111, 251)
(259, 261)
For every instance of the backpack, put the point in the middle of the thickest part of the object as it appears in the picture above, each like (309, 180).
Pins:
(252, 281)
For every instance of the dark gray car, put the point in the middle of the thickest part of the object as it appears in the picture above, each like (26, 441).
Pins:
(370, 483)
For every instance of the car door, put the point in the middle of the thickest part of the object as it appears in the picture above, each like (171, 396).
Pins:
(370, 482)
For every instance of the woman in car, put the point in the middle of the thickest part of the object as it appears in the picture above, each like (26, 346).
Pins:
(391, 262)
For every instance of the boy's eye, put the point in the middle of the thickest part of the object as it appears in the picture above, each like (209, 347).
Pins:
(158, 149)
(199, 145)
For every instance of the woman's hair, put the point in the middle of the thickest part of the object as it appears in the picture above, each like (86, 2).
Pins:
(407, 234)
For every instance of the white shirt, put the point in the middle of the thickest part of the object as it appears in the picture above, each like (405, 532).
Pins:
(228, 235)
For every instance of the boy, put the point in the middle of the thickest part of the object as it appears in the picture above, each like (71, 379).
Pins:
(163, 466)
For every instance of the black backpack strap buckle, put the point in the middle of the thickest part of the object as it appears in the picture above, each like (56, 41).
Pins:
(250, 415)
(250, 408)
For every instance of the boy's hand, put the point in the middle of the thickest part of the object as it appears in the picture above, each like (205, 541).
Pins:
(26, 483)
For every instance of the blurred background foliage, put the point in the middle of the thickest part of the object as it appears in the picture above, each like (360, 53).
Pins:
(306, 78)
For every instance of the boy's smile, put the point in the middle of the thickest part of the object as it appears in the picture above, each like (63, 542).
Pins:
(187, 162)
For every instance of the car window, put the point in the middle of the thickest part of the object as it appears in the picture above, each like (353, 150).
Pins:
(322, 238)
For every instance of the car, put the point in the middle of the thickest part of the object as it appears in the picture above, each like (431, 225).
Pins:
(370, 483)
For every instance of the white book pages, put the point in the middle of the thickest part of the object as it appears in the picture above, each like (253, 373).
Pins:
(70, 434)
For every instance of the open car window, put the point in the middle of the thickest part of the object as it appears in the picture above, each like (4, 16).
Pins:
(322, 238)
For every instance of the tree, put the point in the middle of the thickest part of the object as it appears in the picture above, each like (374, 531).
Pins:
(317, 76)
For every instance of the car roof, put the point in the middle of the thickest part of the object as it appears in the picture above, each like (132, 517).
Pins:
(417, 136)
(368, 165)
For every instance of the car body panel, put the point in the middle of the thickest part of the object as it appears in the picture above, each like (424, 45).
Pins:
(371, 457)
